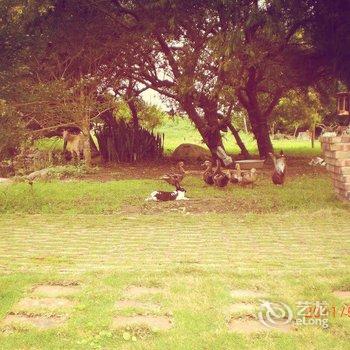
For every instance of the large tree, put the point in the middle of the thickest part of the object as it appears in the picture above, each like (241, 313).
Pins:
(208, 58)
(194, 52)
(329, 31)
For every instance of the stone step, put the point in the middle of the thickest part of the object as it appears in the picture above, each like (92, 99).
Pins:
(334, 139)
(345, 179)
(338, 169)
(338, 162)
(341, 185)
(342, 193)
(337, 154)
(336, 147)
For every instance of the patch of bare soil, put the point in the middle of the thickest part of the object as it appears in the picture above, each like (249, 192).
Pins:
(55, 290)
(142, 170)
(36, 321)
(155, 323)
(47, 303)
(212, 205)
(153, 170)
(246, 293)
(248, 325)
(342, 294)
(241, 307)
(138, 291)
(125, 304)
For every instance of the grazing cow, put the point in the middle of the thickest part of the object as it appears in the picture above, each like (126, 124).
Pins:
(74, 144)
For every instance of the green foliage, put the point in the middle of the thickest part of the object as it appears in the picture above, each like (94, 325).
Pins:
(149, 116)
(329, 31)
(12, 131)
(121, 142)
(300, 109)
(69, 171)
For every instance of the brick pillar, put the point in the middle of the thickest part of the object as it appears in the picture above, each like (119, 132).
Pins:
(336, 151)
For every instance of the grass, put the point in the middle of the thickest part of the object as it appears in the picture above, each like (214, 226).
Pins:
(181, 130)
(196, 291)
(303, 193)
(290, 243)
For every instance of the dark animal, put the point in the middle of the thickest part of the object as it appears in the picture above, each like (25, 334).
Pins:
(220, 178)
(74, 144)
(163, 196)
(175, 178)
(279, 161)
(208, 175)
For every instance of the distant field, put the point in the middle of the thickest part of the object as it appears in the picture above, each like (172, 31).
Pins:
(180, 130)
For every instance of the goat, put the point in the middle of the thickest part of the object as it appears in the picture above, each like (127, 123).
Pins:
(74, 144)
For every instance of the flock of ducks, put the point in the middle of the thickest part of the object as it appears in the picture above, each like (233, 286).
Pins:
(216, 176)
(220, 178)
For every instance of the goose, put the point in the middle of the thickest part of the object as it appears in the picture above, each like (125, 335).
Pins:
(175, 178)
(208, 173)
(220, 178)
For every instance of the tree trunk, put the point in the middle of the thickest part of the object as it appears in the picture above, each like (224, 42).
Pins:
(260, 130)
(94, 149)
(239, 141)
(263, 140)
(86, 145)
(133, 110)
(245, 124)
(208, 126)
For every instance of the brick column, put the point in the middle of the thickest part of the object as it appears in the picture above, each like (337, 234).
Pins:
(336, 151)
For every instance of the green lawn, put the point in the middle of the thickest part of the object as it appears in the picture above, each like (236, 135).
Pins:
(195, 264)
(101, 239)
(181, 130)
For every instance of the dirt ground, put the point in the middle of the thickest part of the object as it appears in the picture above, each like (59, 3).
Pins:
(153, 170)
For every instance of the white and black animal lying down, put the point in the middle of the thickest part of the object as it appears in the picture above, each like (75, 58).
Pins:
(162, 196)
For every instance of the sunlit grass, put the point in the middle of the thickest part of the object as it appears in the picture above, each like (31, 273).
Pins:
(273, 257)
(181, 130)
(305, 192)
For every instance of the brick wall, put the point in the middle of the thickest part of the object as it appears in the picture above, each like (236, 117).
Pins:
(336, 151)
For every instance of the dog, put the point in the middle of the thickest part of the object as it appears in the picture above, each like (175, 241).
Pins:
(162, 196)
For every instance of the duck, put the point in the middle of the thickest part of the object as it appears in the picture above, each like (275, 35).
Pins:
(220, 178)
(208, 175)
(175, 178)
(280, 164)
(236, 174)
(249, 178)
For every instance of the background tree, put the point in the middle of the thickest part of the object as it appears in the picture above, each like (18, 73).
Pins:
(329, 31)
(300, 109)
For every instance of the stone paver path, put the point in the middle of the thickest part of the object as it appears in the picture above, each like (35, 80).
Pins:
(34, 311)
(97, 243)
